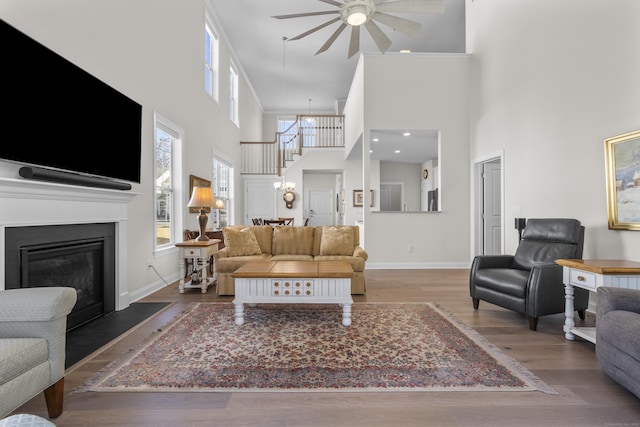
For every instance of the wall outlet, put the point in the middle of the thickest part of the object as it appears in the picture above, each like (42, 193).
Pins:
(410, 248)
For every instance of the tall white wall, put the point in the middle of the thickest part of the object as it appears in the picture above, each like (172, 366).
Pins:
(551, 80)
(151, 50)
(420, 91)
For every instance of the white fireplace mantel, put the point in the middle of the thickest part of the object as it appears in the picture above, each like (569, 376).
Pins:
(25, 203)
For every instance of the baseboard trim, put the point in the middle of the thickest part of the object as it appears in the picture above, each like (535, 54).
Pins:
(415, 265)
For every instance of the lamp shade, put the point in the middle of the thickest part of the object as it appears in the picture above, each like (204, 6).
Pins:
(201, 197)
(219, 204)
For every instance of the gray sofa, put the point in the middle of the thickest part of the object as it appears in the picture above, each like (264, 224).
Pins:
(617, 337)
(33, 323)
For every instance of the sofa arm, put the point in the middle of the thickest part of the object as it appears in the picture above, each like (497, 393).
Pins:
(223, 253)
(36, 304)
(360, 253)
(39, 313)
(611, 299)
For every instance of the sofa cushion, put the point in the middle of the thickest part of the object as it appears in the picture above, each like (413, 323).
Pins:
(241, 242)
(336, 241)
(290, 257)
(263, 235)
(19, 355)
(288, 240)
(320, 229)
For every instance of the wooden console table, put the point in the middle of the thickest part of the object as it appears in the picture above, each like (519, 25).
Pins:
(293, 282)
(201, 253)
(590, 274)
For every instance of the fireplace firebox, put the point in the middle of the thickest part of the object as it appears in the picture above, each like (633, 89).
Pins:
(81, 256)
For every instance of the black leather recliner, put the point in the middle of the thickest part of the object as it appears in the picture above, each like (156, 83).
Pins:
(530, 282)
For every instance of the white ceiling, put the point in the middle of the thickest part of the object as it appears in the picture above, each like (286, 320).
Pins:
(288, 77)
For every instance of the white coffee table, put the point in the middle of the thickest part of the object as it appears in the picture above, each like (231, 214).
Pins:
(293, 282)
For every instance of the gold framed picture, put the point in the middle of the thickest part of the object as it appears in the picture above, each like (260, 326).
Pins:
(358, 198)
(196, 181)
(622, 157)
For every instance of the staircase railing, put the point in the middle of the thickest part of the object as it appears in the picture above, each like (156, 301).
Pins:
(308, 131)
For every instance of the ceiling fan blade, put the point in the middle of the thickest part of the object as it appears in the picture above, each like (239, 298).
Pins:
(331, 39)
(313, 30)
(302, 15)
(332, 2)
(382, 41)
(410, 28)
(418, 6)
(354, 44)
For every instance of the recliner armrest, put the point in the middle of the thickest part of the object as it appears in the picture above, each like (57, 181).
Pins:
(491, 261)
(610, 299)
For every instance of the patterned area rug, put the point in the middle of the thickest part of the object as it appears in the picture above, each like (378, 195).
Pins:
(286, 347)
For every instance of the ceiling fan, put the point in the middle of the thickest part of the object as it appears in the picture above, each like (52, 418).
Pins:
(356, 13)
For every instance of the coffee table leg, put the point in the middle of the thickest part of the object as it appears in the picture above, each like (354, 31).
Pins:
(239, 314)
(346, 314)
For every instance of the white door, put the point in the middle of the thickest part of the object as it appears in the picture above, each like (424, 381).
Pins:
(321, 207)
(492, 217)
(259, 200)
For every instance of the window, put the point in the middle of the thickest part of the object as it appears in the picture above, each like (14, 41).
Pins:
(211, 50)
(167, 160)
(288, 128)
(233, 94)
(221, 182)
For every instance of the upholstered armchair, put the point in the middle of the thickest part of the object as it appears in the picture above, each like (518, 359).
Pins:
(617, 343)
(530, 282)
(33, 324)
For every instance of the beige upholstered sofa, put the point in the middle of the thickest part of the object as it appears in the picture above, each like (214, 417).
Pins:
(33, 323)
(289, 243)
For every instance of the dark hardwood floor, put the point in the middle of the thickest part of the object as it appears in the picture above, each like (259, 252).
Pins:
(586, 396)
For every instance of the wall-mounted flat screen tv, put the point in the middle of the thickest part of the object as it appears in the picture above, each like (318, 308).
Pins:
(58, 116)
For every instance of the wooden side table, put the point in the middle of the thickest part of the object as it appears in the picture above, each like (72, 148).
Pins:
(590, 274)
(200, 253)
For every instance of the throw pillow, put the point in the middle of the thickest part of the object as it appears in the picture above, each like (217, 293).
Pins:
(241, 242)
(336, 241)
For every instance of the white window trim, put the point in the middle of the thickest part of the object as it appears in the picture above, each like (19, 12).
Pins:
(215, 57)
(234, 92)
(179, 202)
(231, 208)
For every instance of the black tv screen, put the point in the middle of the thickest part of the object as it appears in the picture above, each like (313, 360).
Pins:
(58, 116)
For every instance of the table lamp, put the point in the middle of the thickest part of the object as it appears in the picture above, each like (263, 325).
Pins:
(202, 198)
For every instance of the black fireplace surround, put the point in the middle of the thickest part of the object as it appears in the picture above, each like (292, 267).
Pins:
(81, 256)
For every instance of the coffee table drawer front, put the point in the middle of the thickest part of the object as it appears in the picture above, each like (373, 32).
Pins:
(292, 287)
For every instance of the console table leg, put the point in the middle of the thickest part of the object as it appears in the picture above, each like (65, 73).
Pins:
(346, 314)
(239, 314)
(569, 323)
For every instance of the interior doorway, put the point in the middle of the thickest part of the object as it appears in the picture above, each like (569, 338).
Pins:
(321, 207)
(489, 206)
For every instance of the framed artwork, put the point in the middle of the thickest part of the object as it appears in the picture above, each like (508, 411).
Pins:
(622, 156)
(195, 181)
(358, 198)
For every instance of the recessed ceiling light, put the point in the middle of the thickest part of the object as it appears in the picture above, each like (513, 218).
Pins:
(405, 50)
(407, 134)
(375, 139)
(397, 151)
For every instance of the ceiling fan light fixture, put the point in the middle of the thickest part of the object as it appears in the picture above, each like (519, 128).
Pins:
(357, 15)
